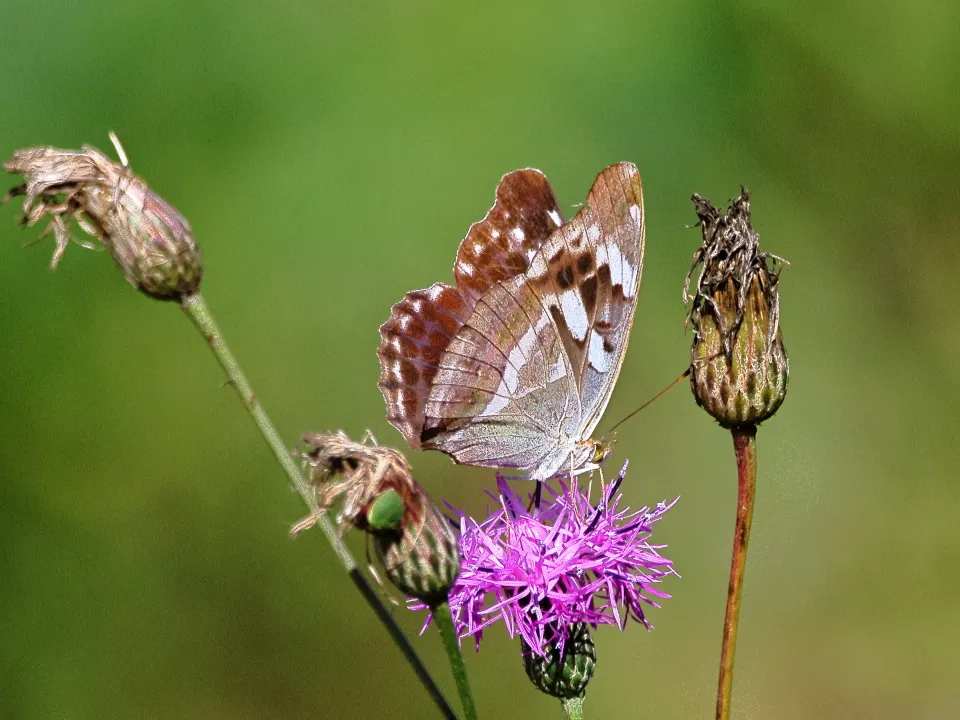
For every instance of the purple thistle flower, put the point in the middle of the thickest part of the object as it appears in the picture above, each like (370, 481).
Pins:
(567, 562)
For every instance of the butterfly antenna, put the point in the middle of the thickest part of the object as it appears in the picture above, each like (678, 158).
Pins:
(686, 373)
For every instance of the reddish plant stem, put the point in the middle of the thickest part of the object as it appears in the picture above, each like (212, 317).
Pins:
(745, 448)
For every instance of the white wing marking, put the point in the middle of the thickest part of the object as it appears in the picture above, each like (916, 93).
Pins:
(574, 313)
(598, 358)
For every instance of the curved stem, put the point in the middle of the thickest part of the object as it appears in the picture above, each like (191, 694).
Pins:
(745, 448)
(572, 708)
(444, 620)
(196, 309)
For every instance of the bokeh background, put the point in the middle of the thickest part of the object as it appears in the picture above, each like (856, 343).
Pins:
(330, 156)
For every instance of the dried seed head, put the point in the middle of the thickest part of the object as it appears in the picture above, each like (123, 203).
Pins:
(566, 668)
(149, 240)
(739, 367)
(414, 541)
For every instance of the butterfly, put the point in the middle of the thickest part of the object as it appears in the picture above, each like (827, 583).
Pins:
(514, 365)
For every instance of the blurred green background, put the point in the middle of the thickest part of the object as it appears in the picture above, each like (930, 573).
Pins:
(330, 158)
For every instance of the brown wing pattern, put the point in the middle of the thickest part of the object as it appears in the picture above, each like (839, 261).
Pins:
(423, 325)
(420, 328)
(502, 244)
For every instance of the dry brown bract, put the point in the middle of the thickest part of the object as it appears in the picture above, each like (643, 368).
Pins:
(730, 253)
(360, 472)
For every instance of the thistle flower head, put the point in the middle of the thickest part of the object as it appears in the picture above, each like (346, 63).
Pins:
(413, 539)
(739, 367)
(568, 562)
(148, 239)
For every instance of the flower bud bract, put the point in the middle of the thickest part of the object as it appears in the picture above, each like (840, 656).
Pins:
(566, 668)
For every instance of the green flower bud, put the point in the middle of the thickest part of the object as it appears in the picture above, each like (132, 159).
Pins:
(415, 542)
(563, 673)
(149, 240)
(739, 369)
(422, 560)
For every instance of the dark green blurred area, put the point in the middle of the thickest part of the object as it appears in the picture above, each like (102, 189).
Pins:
(329, 160)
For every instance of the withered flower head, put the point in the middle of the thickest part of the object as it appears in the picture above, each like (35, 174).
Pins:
(149, 240)
(414, 541)
(739, 367)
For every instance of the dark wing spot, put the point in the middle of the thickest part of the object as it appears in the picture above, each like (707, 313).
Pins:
(607, 345)
(565, 277)
(603, 272)
(429, 434)
(588, 290)
(584, 263)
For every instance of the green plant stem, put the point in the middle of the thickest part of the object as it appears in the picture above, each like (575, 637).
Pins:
(444, 620)
(196, 309)
(572, 708)
(745, 449)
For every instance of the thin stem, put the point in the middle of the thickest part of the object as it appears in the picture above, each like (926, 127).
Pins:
(397, 634)
(196, 309)
(444, 620)
(745, 449)
(572, 708)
